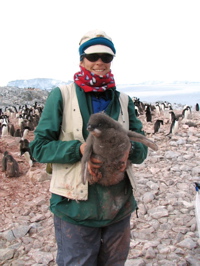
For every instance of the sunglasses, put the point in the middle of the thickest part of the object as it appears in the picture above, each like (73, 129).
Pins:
(106, 58)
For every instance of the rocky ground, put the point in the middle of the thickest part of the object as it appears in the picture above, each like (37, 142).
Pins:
(165, 233)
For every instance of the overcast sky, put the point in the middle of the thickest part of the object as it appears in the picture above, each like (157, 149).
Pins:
(154, 39)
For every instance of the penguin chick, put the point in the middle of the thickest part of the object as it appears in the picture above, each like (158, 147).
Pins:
(11, 129)
(12, 168)
(4, 161)
(108, 141)
(17, 133)
(191, 124)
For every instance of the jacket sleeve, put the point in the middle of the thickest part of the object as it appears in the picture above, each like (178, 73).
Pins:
(46, 146)
(139, 153)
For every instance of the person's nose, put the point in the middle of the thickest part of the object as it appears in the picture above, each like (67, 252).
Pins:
(99, 61)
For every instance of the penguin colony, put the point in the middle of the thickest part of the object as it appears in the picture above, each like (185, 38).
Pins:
(27, 117)
(162, 113)
(17, 123)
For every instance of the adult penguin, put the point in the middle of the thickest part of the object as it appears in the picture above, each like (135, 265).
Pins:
(148, 114)
(174, 126)
(157, 125)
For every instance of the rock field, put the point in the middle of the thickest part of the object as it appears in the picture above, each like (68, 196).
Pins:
(165, 232)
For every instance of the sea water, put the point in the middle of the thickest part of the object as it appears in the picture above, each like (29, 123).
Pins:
(184, 94)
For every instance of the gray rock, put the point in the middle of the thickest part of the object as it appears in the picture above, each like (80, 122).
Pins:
(21, 230)
(187, 243)
(148, 197)
(6, 254)
(181, 141)
(158, 212)
(150, 253)
(135, 262)
(196, 171)
(152, 185)
(41, 257)
(8, 235)
(172, 154)
(39, 200)
(192, 260)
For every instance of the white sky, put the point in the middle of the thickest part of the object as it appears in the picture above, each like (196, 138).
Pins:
(155, 39)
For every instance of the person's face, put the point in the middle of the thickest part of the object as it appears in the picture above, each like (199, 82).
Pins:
(98, 67)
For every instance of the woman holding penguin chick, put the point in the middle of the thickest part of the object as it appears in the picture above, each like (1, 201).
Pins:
(92, 221)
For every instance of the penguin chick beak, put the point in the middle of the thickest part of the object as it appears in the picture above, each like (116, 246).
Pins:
(94, 131)
(89, 127)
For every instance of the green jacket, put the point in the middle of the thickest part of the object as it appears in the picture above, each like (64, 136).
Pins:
(105, 205)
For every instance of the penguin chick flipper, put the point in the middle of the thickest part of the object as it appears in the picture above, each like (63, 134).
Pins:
(84, 173)
(142, 139)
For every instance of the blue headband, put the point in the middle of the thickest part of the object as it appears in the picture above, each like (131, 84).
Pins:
(95, 41)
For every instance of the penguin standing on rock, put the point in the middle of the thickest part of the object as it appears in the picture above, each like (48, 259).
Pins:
(109, 142)
(186, 112)
(172, 116)
(4, 130)
(137, 111)
(25, 132)
(197, 107)
(174, 126)
(25, 150)
(148, 114)
(157, 107)
(157, 125)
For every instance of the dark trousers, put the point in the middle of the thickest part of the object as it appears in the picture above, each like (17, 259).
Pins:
(91, 246)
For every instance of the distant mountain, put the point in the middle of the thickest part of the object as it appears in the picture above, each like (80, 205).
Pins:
(37, 83)
(20, 92)
(49, 84)
(19, 96)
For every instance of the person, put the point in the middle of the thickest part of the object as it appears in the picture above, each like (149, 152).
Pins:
(91, 221)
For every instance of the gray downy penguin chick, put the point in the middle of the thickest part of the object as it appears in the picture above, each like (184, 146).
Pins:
(12, 168)
(10, 165)
(108, 141)
(4, 161)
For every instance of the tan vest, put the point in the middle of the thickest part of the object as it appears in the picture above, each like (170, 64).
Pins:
(66, 178)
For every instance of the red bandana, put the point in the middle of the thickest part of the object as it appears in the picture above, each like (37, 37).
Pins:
(89, 81)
